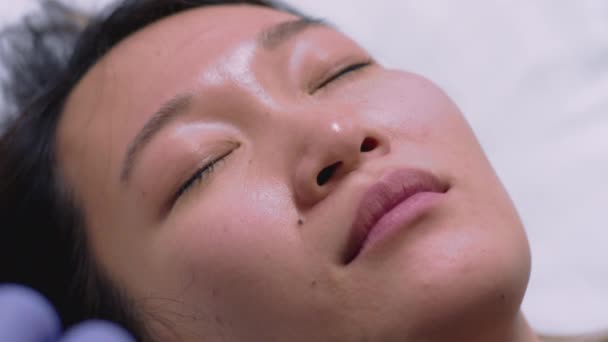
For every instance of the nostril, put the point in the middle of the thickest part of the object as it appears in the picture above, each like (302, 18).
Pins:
(369, 144)
(325, 175)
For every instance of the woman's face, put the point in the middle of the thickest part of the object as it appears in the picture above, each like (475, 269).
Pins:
(308, 139)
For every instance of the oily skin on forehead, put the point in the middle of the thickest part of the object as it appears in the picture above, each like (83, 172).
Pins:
(139, 63)
(117, 96)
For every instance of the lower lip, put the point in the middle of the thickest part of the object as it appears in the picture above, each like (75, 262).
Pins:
(401, 217)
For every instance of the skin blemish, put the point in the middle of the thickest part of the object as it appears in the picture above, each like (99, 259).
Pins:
(313, 284)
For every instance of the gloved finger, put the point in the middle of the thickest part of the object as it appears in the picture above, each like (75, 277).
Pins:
(26, 316)
(97, 331)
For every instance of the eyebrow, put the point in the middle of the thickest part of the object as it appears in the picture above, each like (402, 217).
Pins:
(167, 113)
(278, 34)
(270, 39)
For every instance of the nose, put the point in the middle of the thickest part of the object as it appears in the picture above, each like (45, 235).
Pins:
(332, 150)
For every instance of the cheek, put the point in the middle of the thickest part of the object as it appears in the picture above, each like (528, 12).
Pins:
(228, 230)
(231, 237)
(239, 257)
(414, 111)
(423, 123)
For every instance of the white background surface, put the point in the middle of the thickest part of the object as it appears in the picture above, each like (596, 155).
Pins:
(532, 78)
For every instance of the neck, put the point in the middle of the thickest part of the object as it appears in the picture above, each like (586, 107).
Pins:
(515, 330)
(522, 331)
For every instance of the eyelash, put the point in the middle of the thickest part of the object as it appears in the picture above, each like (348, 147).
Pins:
(340, 74)
(200, 175)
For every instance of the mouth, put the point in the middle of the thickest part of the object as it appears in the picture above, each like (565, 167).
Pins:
(393, 203)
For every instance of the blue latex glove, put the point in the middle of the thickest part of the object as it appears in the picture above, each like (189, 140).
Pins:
(96, 331)
(26, 316)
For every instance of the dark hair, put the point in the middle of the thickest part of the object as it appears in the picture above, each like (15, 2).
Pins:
(43, 241)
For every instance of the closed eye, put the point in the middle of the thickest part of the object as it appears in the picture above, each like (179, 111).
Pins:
(200, 175)
(343, 72)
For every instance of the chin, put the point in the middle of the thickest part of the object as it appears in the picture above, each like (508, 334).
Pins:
(449, 279)
(481, 288)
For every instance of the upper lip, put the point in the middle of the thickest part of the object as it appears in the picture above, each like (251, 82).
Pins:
(381, 197)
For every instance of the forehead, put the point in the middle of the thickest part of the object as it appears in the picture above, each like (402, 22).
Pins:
(171, 50)
(171, 56)
(209, 30)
